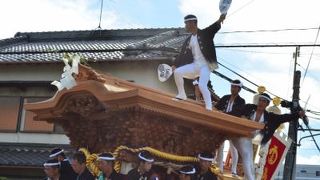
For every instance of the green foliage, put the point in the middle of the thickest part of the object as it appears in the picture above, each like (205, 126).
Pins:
(71, 56)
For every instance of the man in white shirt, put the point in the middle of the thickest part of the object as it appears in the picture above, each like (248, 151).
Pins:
(271, 122)
(197, 57)
(226, 104)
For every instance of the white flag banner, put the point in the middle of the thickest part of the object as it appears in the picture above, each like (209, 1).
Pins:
(224, 6)
(272, 155)
(67, 80)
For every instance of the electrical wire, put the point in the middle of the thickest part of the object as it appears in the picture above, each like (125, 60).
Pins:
(313, 112)
(305, 73)
(246, 88)
(301, 129)
(251, 51)
(236, 68)
(312, 136)
(304, 137)
(315, 118)
(101, 7)
(247, 79)
(239, 9)
(268, 30)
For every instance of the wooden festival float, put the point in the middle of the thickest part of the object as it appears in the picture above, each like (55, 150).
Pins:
(104, 113)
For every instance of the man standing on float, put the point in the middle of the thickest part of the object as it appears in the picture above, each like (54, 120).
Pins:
(197, 57)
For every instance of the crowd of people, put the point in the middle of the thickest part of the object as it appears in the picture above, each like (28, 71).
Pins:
(58, 167)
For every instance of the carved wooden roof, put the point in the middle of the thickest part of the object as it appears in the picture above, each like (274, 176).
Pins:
(103, 112)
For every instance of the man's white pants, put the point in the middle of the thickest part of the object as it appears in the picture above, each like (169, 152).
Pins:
(245, 149)
(234, 157)
(192, 71)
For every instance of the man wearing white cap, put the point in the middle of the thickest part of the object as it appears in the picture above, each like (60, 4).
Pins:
(105, 165)
(145, 163)
(187, 173)
(272, 121)
(226, 104)
(197, 57)
(205, 161)
(52, 170)
(66, 169)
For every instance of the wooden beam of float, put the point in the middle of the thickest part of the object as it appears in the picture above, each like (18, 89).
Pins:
(103, 112)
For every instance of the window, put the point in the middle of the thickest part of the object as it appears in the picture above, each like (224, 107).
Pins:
(9, 113)
(30, 125)
(303, 171)
(317, 173)
(13, 118)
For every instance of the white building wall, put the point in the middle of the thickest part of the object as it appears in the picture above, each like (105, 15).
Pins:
(303, 172)
(140, 72)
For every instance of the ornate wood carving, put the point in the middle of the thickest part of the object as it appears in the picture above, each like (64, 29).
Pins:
(87, 73)
(136, 127)
(84, 104)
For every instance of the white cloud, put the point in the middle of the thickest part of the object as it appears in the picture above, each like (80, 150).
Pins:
(207, 11)
(310, 160)
(45, 15)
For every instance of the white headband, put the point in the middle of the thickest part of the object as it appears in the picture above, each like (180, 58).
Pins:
(55, 154)
(203, 158)
(107, 158)
(235, 84)
(145, 159)
(189, 172)
(52, 164)
(191, 19)
(265, 97)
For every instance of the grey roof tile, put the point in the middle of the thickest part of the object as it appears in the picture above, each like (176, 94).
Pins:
(132, 44)
(26, 154)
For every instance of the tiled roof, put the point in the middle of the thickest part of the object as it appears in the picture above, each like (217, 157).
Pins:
(134, 44)
(26, 154)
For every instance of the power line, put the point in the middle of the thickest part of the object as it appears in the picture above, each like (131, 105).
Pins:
(307, 126)
(266, 45)
(239, 9)
(235, 68)
(268, 30)
(246, 88)
(148, 49)
(267, 52)
(312, 136)
(305, 73)
(310, 74)
(314, 112)
(101, 7)
(301, 129)
(315, 118)
(230, 80)
(247, 80)
(257, 52)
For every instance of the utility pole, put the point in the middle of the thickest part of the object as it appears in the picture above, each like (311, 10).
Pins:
(289, 172)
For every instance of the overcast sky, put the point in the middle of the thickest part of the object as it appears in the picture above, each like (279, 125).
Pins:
(271, 67)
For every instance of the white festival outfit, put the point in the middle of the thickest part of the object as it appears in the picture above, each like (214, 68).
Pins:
(197, 58)
(245, 149)
(271, 122)
(232, 149)
(199, 68)
(226, 104)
